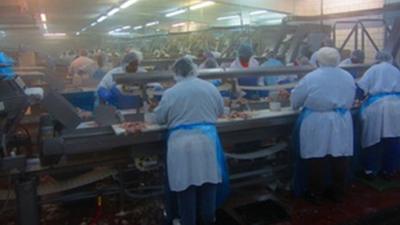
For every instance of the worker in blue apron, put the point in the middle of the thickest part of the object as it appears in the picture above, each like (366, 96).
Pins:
(324, 128)
(196, 167)
(380, 117)
(107, 90)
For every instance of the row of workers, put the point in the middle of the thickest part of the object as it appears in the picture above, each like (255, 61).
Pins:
(196, 168)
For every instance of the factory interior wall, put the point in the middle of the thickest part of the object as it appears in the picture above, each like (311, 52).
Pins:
(313, 7)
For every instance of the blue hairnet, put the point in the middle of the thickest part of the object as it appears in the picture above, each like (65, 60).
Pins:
(245, 51)
(132, 56)
(184, 67)
(383, 56)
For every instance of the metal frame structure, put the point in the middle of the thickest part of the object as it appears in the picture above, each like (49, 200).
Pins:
(359, 28)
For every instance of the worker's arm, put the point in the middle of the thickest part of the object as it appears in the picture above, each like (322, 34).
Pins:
(299, 94)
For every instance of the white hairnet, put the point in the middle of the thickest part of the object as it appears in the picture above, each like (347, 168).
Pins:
(328, 56)
(184, 67)
(383, 56)
(245, 51)
(133, 55)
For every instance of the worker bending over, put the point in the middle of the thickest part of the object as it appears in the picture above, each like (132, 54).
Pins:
(325, 125)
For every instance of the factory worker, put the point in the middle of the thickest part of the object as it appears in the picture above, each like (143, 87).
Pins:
(82, 66)
(107, 89)
(357, 57)
(380, 116)
(245, 60)
(325, 43)
(325, 125)
(195, 162)
(210, 62)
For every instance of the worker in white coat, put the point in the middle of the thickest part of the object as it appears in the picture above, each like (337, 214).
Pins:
(380, 115)
(107, 90)
(246, 60)
(196, 166)
(325, 124)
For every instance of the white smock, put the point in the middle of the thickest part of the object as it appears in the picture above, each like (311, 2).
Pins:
(108, 81)
(191, 156)
(325, 131)
(381, 119)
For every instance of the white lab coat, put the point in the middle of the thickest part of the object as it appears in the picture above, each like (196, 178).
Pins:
(313, 59)
(324, 131)
(346, 62)
(253, 63)
(108, 80)
(382, 118)
(191, 156)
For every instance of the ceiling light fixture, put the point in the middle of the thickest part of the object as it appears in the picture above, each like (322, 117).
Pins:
(126, 27)
(45, 26)
(138, 27)
(119, 33)
(93, 24)
(55, 34)
(118, 29)
(179, 25)
(274, 22)
(112, 11)
(43, 17)
(201, 5)
(101, 19)
(152, 23)
(174, 13)
(127, 4)
(83, 29)
(258, 12)
(228, 18)
(77, 33)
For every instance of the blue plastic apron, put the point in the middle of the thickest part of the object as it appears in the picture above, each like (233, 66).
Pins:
(210, 130)
(299, 173)
(374, 98)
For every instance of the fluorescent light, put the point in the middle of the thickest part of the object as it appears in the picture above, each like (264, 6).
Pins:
(274, 22)
(257, 12)
(174, 13)
(179, 25)
(83, 29)
(55, 34)
(77, 33)
(126, 27)
(138, 27)
(118, 29)
(45, 26)
(152, 23)
(101, 19)
(228, 18)
(43, 17)
(201, 5)
(93, 24)
(127, 4)
(112, 11)
(114, 33)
